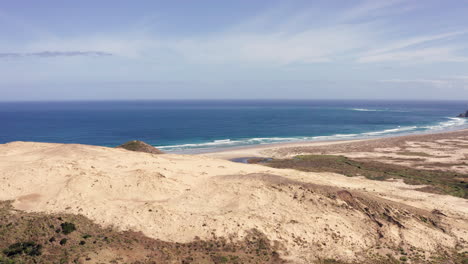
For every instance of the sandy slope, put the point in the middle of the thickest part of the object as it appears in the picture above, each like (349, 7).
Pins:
(179, 197)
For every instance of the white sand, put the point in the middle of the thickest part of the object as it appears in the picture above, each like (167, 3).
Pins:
(178, 197)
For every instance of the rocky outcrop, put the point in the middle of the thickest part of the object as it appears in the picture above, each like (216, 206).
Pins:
(463, 114)
(140, 146)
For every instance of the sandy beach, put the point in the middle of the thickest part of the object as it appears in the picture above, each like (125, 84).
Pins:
(422, 150)
(307, 215)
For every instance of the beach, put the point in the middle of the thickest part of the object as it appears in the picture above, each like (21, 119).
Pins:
(306, 214)
(443, 149)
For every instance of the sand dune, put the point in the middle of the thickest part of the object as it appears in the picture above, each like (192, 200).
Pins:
(180, 197)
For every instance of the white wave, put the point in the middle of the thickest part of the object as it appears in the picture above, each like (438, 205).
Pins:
(452, 123)
(365, 134)
(273, 139)
(229, 142)
(377, 110)
(366, 110)
(393, 130)
(345, 135)
(221, 142)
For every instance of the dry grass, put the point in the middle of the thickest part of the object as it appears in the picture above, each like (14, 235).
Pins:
(444, 182)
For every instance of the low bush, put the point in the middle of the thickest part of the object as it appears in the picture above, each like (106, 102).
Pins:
(67, 228)
(28, 248)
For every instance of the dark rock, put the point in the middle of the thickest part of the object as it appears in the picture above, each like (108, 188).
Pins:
(140, 146)
(463, 114)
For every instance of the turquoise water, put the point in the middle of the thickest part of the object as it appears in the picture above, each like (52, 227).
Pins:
(205, 125)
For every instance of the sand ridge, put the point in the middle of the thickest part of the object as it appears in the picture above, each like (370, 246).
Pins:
(179, 197)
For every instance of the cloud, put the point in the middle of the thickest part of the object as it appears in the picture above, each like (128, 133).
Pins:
(442, 83)
(364, 33)
(48, 54)
(459, 77)
(277, 37)
(373, 9)
(410, 50)
(273, 48)
(423, 81)
(421, 55)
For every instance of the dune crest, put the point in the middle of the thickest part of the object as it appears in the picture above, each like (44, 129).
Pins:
(177, 198)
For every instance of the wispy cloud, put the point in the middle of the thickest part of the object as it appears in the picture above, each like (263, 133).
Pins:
(359, 33)
(442, 83)
(373, 9)
(309, 46)
(421, 55)
(48, 54)
(273, 38)
(423, 81)
(410, 49)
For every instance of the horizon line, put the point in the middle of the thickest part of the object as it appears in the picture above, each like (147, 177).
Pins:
(228, 99)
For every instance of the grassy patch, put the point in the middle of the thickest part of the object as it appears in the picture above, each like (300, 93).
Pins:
(444, 182)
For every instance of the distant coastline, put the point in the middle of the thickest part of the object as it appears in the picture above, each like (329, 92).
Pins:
(208, 125)
(290, 148)
(397, 132)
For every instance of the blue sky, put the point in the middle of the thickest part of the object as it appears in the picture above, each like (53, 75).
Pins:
(81, 50)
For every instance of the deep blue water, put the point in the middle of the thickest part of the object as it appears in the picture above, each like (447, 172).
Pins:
(196, 125)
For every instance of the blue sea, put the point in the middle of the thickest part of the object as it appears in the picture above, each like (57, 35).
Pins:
(197, 126)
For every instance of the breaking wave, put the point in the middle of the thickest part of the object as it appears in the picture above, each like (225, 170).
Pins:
(376, 110)
(451, 123)
(367, 110)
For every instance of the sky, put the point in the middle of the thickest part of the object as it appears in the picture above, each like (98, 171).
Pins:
(244, 49)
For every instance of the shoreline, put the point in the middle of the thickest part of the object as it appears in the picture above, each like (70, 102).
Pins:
(218, 145)
(379, 187)
(260, 149)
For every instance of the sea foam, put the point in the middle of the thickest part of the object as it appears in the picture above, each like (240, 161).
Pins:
(376, 110)
(451, 123)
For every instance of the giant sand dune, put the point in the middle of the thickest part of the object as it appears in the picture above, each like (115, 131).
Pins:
(306, 216)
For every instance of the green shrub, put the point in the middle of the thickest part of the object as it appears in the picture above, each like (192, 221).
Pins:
(67, 228)
(28, 248)
(63, 241)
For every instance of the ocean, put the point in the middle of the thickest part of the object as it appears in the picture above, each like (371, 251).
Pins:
(197, 126)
